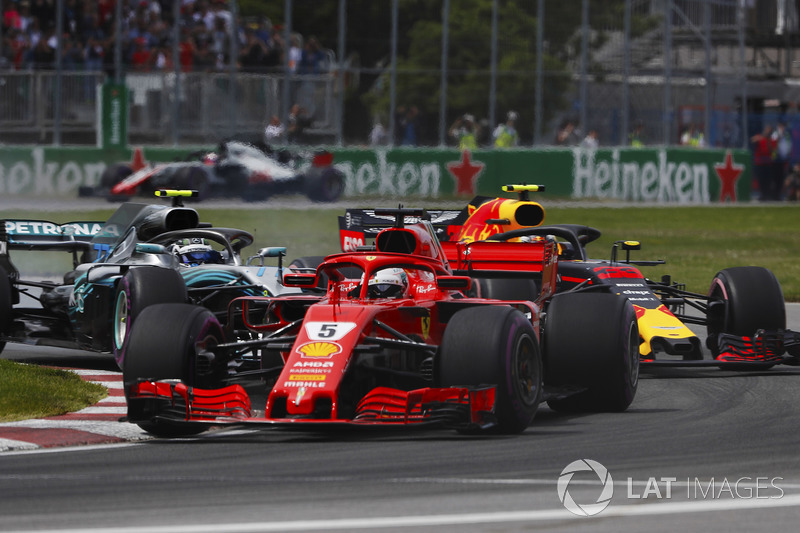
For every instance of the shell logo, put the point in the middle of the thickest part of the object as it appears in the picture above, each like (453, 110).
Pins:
(319, 349)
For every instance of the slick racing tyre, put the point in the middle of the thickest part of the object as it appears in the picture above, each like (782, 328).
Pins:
(741, 301)
(194, 179)
(6, 306)
(506, 289)
(139, 288)
(324, 186)
(495, 345)
(167, 342)
(591, 343)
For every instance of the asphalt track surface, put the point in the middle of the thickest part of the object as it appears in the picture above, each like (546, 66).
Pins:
(698, 449)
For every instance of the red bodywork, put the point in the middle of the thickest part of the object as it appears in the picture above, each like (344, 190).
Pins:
(345, 324)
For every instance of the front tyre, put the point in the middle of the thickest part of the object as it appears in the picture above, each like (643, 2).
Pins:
(173, 341)
(591, 341)
(495, 345)
(742, 300)
(139, 288)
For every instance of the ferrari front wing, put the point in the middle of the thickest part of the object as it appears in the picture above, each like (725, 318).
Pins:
(174, 401)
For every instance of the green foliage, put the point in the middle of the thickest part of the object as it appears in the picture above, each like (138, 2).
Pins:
(31, 391)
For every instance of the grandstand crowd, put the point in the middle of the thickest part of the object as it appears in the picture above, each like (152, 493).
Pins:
(29, 39)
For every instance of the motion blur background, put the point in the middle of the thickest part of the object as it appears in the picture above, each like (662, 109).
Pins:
(197, 71)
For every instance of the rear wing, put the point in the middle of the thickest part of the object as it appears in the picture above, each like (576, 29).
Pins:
(359, 227)
(23, 234)
(41, 234)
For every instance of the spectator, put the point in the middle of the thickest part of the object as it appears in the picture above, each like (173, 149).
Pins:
(763, 162)
(140, 56)
(11, 17)
(186, 50)
(220, 43)
(297, 123)
(591, 141)
(407, 126)
(505, 135)
(253, 52)
(204, 59)
(95, 39)
(791, 186)
(783, 153)
(274, 130)
(295, 52)
(567, 134)
(465, 132)
(43, 55)
(377, 136)
(635, 138)
(693, 137)
(311, 58)
(44, 11)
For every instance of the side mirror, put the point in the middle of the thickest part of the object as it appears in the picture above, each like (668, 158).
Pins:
(458, 283)
(149, 248)
(631, 245)
(272, 251)
(300, 280)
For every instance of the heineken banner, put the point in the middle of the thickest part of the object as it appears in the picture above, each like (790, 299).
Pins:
(658, 175)
(114, 116)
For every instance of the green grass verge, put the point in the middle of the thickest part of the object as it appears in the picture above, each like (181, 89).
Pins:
(31, 391)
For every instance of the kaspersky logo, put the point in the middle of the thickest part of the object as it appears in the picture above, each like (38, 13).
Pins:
(606, 492)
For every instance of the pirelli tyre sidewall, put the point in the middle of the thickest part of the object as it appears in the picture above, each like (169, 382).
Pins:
(495, 345)
(591, 344)
(138, 289)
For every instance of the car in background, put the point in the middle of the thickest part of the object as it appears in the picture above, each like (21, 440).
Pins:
(743, 312)
(142, 255)
(234, 169)
(394, 341)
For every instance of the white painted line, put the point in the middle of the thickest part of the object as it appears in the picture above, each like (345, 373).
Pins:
(391, 522)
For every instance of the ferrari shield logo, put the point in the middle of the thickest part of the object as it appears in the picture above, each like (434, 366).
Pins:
(425, 323)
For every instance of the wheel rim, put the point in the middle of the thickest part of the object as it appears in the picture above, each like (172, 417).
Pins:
(526, 370)
(121, 320)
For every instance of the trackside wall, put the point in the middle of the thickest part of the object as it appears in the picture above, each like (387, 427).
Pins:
(652, 175)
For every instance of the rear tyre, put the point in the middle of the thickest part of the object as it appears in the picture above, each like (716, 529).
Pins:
(507, 289)
(195, 179)
(139, 288)
(324, 186)
(592, 341)
(741, 301)
(168, 342)
(6, 306)
(495, 345)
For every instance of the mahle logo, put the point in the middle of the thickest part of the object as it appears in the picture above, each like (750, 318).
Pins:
(585, 509)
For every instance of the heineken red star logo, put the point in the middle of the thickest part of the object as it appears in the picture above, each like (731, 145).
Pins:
(728, 173)
(465, 173)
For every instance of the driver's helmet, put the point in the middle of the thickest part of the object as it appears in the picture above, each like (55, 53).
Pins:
(388, 283)
(195, 251)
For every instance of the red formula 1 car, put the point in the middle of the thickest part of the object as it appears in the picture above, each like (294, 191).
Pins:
(394, 341)
(743, 312)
